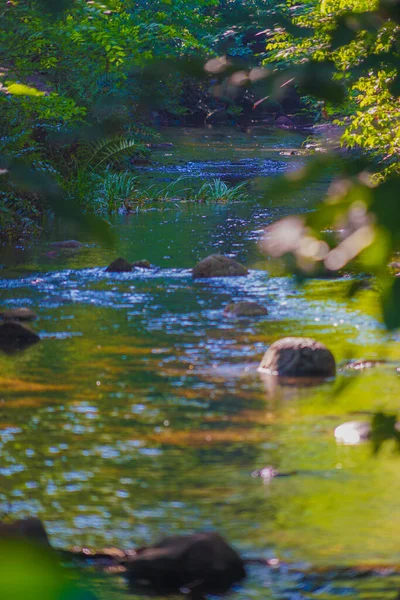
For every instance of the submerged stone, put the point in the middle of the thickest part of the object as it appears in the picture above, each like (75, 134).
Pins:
(245, 309)
(142, 264)
(67, 244)
(18, 314)
(298, 357)
(284, 122)
(203, 562)
(360, 365)
(217, 265)
(14, 335)
(120, 265)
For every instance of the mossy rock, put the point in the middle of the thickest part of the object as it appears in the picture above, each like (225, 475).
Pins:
(217, 265)
(245, 309)
(119, 265)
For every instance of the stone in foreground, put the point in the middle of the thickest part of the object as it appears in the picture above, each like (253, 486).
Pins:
(31, 529)
(217, 265)
(245, 309)
(119, 265)
(18, 314)
(201, 562)
(294, 357)
(14, 335)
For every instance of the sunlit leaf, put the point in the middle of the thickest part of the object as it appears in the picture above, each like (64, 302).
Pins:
(19, 89)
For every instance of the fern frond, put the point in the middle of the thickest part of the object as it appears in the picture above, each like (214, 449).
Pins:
(104, 151)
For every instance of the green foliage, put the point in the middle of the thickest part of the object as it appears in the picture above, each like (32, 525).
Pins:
(73, 71)
(114, 191)
(358, 38)
(29, 572)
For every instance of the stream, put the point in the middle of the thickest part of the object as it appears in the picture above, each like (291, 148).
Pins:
(141, 412)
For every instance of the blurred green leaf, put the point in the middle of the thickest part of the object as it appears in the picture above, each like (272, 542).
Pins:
(383, 428)
(391, 304)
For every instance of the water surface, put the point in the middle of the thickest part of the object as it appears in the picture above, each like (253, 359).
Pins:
(141, 412)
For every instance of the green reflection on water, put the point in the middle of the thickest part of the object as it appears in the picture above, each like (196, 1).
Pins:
(141, 412)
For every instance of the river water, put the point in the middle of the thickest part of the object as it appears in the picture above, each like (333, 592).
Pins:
(141, 412)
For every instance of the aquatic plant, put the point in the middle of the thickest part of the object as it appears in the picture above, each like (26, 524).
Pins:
(114, 190)
(218, 191)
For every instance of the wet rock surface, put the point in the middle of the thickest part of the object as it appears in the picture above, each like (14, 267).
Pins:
(203, 562)
(217, 265)
(361, 365)
(119, 265)
(245, 309)
(15, 336)
(297, 357)
(18, 314)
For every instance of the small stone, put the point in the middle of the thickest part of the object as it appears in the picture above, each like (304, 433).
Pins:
(14, 335)
(67, 244)
(245, 309)
(120, 265)
(353, 432)
(203, 562)
(217, 265)
(298, 357)
(18, 314)
(361, 365)
(284, 122)
(142, 264)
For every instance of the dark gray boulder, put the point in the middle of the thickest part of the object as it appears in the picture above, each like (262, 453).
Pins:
(119, 265)
(18, 314)
(14, 335)
(217, 265)
(202, 562)
(298, 357)
(245, 309)
(31, 529)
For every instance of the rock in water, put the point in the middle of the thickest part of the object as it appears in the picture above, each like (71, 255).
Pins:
(67, 244)
(142, 264)
(284, 122)
(120, 265)
(245, 309)
(31, 529)
(202, 562)
(13, 335)
(298, 357)
(18, 314)
(217, 265)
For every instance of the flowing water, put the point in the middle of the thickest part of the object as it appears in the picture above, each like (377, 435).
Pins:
(141, 412)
